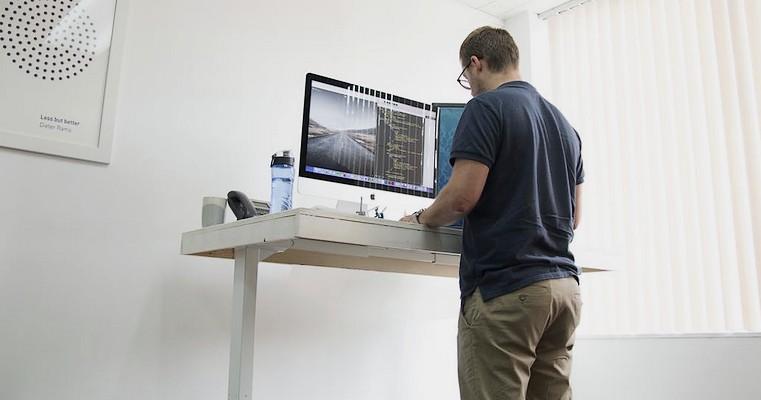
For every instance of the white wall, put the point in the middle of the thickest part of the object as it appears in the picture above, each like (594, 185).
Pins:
(667, 367)
(532, 37)
(95, 300)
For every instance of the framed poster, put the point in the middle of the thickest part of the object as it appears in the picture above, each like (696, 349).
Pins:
(59, 69)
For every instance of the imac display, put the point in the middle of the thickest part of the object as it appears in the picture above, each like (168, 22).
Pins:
(366, 138)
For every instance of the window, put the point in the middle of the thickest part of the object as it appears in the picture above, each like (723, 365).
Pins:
(666, 97)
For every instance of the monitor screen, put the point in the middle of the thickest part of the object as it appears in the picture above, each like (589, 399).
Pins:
(447, 117)
(364, 137)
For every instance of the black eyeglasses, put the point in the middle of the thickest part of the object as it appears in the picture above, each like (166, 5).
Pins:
(462, 80)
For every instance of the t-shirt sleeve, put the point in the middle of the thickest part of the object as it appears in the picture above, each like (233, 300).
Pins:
(477, 135)
(579, 164)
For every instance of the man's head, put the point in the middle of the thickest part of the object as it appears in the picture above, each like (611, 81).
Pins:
(488, 55)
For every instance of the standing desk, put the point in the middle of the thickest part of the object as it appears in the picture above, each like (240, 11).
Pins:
(324, 238)
(320, 238)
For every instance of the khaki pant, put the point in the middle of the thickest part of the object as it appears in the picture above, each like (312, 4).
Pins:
(518, 346)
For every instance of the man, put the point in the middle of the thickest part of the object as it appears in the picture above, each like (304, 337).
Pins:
(517, 171)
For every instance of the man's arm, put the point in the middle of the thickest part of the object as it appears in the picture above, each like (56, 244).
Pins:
(577, 212)
(458, 197)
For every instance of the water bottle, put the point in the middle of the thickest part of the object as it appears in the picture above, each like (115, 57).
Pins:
(282, 181)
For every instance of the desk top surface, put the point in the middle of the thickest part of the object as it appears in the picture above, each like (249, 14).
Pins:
(334, 239)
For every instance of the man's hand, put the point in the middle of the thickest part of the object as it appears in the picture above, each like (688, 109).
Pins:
(409, 218)
(413, 218)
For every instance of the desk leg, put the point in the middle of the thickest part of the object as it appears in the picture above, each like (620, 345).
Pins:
(244, 310)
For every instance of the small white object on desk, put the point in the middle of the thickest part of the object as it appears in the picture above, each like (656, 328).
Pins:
(213, 211)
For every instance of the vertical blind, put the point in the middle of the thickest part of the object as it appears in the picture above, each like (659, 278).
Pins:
(666, 96)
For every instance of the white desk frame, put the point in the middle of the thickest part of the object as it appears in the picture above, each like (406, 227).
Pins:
(320, 238)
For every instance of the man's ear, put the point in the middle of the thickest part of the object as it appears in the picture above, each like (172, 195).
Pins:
(477, 63)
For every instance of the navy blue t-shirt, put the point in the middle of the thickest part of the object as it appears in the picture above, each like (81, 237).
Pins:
(519, 231)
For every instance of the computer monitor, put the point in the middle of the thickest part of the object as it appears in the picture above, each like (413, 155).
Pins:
(447, 117)
(367, 139)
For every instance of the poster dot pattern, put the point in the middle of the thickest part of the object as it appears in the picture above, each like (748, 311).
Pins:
(52, 40)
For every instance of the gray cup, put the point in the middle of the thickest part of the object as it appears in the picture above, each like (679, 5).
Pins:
(213, 211)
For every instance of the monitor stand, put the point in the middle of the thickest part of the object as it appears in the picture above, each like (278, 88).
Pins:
(352, 207)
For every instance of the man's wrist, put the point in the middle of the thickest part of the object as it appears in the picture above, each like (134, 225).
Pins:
(416, 214)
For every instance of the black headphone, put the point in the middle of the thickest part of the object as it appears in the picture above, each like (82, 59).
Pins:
(241, 205)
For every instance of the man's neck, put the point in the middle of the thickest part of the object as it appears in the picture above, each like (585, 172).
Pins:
(498, 79)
